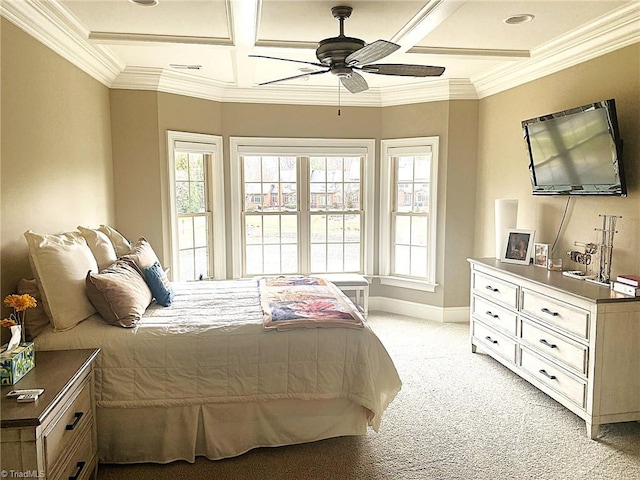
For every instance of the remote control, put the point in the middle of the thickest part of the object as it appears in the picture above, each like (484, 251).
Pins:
(27, 398)
(32, 391)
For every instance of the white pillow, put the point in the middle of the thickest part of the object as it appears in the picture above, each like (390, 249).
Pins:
(120, 243)
(100, 246)
(60, 264)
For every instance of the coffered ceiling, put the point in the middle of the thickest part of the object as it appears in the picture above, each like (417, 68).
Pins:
(201, 47)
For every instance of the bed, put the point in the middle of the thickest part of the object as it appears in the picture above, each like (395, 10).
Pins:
(204, 377)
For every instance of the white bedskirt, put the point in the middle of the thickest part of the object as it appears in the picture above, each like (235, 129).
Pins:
(203, 377)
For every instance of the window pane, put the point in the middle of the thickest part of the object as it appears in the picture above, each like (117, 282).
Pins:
(335, 169)
(187, 271)
(318, 228)
(318, 258)
(422, 169)
(272, 259)
(196, 197)
(420, 197)
(403, 230)
(335, 260)
(318, 171)
(196, 167)
(419, 231)
(418, 261)
(182, 167)
(404, 171)
(404, 197)
(201, 263)
(182, 197)
(271, 229)
(253, 229)
(270, 169)
(289, 259)
(252, 197)
(200, 233)
(253, 259)
(251, 169)
(335, 228)
(352, 169)
(402, 259)
(185, 233)
(289, 229)
(352, 228)
(351, 257)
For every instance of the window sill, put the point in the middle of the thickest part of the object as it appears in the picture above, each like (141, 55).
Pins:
(421, 285)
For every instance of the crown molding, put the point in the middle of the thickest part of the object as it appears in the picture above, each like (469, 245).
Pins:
(611, 32)
(53, 25)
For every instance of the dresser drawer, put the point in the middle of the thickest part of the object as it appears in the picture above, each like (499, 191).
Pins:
(495, 289)
(494, 315)
(495, 341)
(548, 310)
(80, 465)
(554, 377)
(570, 354)
(67, 424)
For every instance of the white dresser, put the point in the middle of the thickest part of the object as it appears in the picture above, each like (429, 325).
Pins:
(575, 340)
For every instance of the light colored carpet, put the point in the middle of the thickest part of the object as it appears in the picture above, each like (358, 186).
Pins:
(459, 416)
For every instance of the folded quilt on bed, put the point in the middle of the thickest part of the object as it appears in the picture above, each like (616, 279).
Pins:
(210, 346)
(305, 302)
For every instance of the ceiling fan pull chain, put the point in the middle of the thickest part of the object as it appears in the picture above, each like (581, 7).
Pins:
(338, 97)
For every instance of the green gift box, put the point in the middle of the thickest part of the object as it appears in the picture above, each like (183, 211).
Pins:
(17, 363)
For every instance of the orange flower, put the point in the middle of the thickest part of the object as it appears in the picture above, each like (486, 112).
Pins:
(20, 302)
(8, 322)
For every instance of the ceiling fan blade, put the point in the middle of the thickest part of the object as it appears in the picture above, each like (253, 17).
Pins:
(371, 53)
(294, 77)
(355, 83)
(402, 69)
(289, 60)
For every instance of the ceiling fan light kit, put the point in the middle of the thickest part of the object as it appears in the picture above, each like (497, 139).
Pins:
(145, 3)
(344, 56)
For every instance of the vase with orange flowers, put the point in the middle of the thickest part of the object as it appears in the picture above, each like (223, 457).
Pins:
(18, 358)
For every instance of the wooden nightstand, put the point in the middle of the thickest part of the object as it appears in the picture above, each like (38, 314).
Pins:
(55, 437)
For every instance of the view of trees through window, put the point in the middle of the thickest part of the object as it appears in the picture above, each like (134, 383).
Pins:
(411, 215)
(193, 215)
(277, 203)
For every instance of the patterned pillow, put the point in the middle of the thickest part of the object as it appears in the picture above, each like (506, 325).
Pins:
(159, 284)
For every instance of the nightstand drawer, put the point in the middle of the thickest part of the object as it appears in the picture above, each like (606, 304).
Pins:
(548, 310)
(495, 289)
(69, 422)
(573, 355)
(81, 464)
(554, 377)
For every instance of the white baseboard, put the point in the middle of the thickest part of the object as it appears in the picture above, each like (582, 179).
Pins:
(420, 310)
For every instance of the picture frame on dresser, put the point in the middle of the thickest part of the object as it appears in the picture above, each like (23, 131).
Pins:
(540, 254)
(518, 246)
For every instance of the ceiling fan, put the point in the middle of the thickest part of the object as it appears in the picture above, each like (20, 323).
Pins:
(345, 56)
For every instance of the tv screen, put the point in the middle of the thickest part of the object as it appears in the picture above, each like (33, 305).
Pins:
(576, 151)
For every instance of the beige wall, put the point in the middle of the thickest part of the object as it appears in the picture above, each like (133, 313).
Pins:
(502, 162)
(56, 169)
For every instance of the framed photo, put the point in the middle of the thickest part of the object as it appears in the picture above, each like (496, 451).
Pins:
(540, 254)
(518, 246)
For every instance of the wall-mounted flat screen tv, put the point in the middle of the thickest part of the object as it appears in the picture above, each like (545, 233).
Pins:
(576, 151)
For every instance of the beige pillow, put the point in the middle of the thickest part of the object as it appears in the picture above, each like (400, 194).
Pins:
(142, 254)
(100, 246)
(119, 293)
(120, 243)
(60, 264)
(36, 318)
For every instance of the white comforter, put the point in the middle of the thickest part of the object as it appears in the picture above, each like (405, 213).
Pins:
(210, 347)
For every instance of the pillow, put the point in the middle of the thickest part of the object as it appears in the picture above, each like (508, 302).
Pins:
(60, 264)
(119, 293)
(159, 284)
(36, 318)
(100, 246)
(121, 245)
(142, 254)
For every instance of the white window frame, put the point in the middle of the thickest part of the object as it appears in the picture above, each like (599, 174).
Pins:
(200, 143)
(393, 148)
(302, 147)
